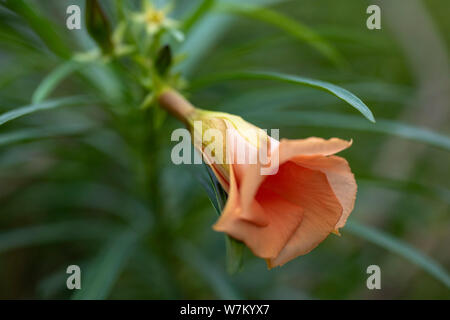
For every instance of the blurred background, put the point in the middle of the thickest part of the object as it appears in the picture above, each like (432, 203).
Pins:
(86, 177)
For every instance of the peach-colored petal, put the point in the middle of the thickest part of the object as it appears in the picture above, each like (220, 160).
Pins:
(285, 150)
(283, 219)
(247, 174)
(340, 177)
(220, 177)
(314, 146)
(321, 209)
(282, 216)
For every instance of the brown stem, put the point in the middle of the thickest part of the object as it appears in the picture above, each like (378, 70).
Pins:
(176, 104)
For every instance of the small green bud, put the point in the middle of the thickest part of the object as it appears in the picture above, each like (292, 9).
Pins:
(98, 26)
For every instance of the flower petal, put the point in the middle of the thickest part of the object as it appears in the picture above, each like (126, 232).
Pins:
(313, 146)
(265, 241)
(321, 209)
(152, 28)
(340, 178)
(284, 215)
(245, 160)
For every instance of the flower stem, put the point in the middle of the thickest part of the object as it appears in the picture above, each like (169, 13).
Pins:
(176, 105)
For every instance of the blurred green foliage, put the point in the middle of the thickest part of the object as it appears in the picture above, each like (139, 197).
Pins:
(85, 169)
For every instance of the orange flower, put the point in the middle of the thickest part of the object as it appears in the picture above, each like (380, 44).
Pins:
(282, 215)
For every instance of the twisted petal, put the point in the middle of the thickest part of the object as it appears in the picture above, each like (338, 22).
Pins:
(283, 218)
(321, 209)
(315, 154)
(287, 214)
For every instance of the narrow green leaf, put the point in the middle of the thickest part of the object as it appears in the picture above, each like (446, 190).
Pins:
(234, 248)
(333, 120)
(287, 24)
(11, 37)
(153, 272)
(104, 271)
(53, 284)
(203, 36)
(43, 133)
(57, 232)
(205, 181)
(88, 195)
(279, 97)
(214, 277)
(220, 195)
(396, 246)
(235, 255)
(409, 187)
(197, 14)
(112, 144)
(51, 81)
(40, 24)
(110, 87)
(50, 104)
(339, 92)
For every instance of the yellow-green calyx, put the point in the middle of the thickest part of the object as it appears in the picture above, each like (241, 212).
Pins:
(182, 109)
(199, 122)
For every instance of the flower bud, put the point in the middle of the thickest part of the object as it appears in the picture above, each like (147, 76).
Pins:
(98, 26)
(282, 213)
